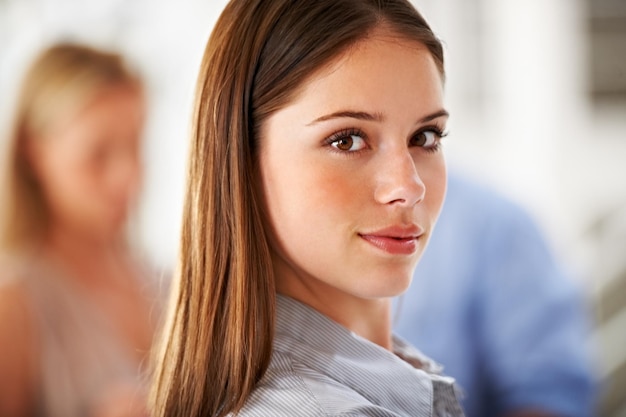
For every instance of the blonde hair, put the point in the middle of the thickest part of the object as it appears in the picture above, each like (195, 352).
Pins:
(63, 79)
(218, 341)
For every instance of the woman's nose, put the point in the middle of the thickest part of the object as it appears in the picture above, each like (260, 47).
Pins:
(398, 180)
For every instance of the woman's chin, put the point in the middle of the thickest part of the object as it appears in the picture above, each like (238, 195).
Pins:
(383, 287)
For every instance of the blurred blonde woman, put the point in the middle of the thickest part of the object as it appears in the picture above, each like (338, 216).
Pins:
(75, 320)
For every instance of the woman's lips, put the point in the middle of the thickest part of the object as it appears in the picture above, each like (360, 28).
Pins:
(396, 241)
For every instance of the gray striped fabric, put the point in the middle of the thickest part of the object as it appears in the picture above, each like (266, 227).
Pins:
(320, 368)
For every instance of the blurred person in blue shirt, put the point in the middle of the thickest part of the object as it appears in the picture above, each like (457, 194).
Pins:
(490, 303)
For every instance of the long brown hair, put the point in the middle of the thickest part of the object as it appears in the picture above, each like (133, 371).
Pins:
(218, 342)
(63, 78)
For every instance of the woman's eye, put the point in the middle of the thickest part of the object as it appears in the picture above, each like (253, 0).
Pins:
(349, 143)
(426, 139)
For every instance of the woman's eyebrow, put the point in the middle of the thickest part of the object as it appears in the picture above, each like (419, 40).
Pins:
(433, 116)
(372, 117)
(350, 114)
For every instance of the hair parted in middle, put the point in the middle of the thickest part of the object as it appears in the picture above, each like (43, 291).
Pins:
(218, 342)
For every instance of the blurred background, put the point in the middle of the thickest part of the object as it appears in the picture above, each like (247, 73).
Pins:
(536, 89)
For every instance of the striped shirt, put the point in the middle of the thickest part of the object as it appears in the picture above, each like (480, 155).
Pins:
(319, 368)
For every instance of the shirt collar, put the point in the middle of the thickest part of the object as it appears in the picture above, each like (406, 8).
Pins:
(331, 349)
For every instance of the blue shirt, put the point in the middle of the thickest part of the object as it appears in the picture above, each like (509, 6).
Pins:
(489, 302)
(319, 368)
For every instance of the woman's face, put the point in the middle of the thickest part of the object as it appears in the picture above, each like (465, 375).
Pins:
(352, 174)
(88, 163)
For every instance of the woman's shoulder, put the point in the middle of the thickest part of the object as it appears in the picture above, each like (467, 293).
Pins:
(290, 388)
(15, 301)
(282, 392)
(17, 268)
(13, 287)
(17, 343)
(16, 316)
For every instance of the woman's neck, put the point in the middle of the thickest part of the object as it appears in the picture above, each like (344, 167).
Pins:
(81, 254)
(369, 318)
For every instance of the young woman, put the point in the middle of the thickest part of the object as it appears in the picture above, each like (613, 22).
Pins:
(315, 181)
(75, 320)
